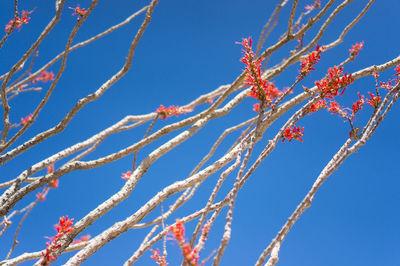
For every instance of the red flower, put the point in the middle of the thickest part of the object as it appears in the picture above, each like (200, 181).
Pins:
(387, 85)
(335, 109)
(191, 256)
(44, 77)
(126, 175)
(41, 196)
(270, 91)
(178, 230)
(317, 106)
(256, 106)
(330, 85)
(397, 69)
(260, 89)
(358, 105)
(64, 227)
(309, 61)
(355, 49)
(19, 21)
(54, 183)
(78, 11)
(293, 133)
(160, 260)
(26, 119)
(374, 101)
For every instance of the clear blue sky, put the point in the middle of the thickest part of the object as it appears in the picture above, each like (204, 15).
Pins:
(189, 49)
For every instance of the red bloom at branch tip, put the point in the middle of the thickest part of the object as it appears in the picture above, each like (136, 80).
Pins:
(358, 105)
(397, 69)
(330, 85)
(355, 49)
(309, 61)
(26, 119)
(78, 11)
(40, 196)
(317, 106)
(190, 256)
(374, 101)
(293, 133)
(387, 85)
(126, 175)
(63, 227)
(44, 76)
(160, 260)
(260, 89)
(54, 183)
(256, 106)
(335, 109)
(19, 21)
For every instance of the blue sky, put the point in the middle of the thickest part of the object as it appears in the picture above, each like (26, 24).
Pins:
(189, 49)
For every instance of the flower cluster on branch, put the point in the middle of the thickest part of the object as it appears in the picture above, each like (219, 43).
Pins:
(63, 227)
(260, 89)
(18, 21)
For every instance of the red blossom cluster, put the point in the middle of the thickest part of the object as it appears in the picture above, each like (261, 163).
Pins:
(160, 260)
(335, 108)
(256, 106)
(374, 101)
(330, 85)
(190, 256)
(309, 61)
(357, 106)
(42, 195)
(271, 92)
(126, 175)
(64, 227)
(164, 112)
(317, 106)
(387, 85)
(18, 21)
(397, 69)
(355, 49)
(82, 239)
(44, 77)
(293, 133)
(317, 4)
(78, 11)
(260, 89)
(26, 119)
